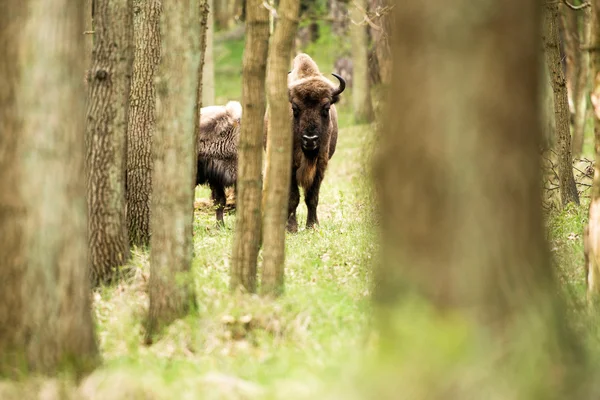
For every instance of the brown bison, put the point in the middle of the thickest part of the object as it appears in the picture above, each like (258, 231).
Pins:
(315, 131)
(217, 151)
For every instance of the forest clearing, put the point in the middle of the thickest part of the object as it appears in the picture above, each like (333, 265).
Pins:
(316, 199)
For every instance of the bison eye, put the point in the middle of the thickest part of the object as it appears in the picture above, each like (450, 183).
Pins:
(296, 110)
(325, 111)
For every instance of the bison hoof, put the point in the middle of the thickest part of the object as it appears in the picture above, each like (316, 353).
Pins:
(292, 228)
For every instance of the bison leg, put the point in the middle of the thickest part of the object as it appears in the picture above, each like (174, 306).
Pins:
(311, 197)
(292, 224)
(219, 199)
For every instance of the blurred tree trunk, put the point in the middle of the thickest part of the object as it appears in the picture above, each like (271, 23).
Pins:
(108, 103)
(141, 124)
(462, 227)
(246, 240)
(208, 74)
(45, 318)
(174, 176)
(568, 189)
(592, 237)
(582, 84)
(279, 148)
(361, 86)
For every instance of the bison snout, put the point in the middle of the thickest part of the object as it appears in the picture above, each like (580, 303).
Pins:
(310, 142)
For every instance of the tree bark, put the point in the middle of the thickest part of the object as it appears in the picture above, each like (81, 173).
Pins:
(582, 85)
(381, 38)
(208, 74)
(568, 189)
(570, 55)
(246, 240)
(592, 236)
(108, 103)
(141, 124)
(462, 234)
(361, 87)
(174, 147)
(45, 318)
(279, 149)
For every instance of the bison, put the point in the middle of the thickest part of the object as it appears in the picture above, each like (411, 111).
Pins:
(217, 151)
(314, 130)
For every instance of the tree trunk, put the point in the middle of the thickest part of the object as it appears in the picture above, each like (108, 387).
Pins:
(462, 227)
(174, 176)
(140, 129)
(208, 74)
(45, 318)
(279, 148)
(582, 85)
(568, 189)
(246, 240)
(361, 87)
(570, 55)
(380, 37)
(592, 237)
(108, 102)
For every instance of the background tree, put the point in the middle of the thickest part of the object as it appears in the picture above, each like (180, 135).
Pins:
(141, 124)
(464, 254)
(279, 148)
(575, 26)
(106, 136)
(592, 236)
(45, 318)
(361, 86)
(170, 287)
(568, 189)
(208, 74)
(246, 240)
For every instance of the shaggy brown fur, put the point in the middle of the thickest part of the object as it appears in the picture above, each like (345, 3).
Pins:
(217, 150)
(314, 126)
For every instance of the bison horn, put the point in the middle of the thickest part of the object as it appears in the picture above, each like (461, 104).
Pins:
(342, 86)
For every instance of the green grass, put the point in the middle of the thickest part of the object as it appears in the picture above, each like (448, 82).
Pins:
(246, 345)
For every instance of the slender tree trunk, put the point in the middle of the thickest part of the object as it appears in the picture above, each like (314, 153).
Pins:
(582, 85)
(462, 234)
(361, 87)
(571, 55)
(141, 124)
(171, 286)
(592, 237)
(279, 148)
(568, 189)
(45, 318)
(208, 74)
(108, 103)
(380, 37)
(246, 240)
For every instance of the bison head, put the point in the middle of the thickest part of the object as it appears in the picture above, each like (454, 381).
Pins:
(311, 98)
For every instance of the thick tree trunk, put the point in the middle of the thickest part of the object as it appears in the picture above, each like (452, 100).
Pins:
(208, 74)
(361, 87)
(592, 237)
(108, 103)
(568, 189)
(279, 148)
(174, 176)
(582, 85)
(45, 317)
(141, 124)
(462, 234)
(246, 240)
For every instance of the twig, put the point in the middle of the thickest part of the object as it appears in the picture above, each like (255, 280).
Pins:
(577, 8)
(271, 9)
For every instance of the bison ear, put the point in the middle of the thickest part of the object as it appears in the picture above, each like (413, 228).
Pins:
(335, 99)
